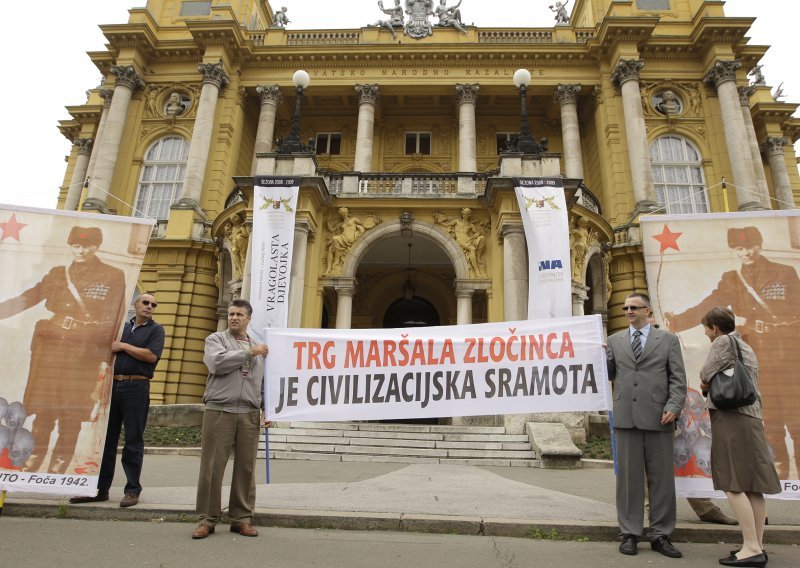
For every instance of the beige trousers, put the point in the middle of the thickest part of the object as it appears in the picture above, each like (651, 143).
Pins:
(223, 431)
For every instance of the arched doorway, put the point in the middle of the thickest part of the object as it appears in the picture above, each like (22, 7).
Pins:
(414, 312)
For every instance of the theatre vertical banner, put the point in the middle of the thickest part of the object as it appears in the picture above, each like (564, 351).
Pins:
(748, 262)
(544, 215)
(275, 203)
(65, 287)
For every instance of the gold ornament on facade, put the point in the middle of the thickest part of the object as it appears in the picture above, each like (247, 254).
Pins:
(470, 236)
(608, 258)
(169, 101)
(344, 234)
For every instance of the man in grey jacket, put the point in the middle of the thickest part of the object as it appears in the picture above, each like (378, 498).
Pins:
(646, 366)
(233, 403)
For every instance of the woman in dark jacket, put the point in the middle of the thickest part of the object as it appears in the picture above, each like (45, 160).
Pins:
(738, 433)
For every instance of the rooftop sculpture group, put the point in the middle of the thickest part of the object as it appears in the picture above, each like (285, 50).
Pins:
(418, 25)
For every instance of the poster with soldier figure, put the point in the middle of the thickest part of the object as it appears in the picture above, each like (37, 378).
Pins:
(748, 262)
(64, 288)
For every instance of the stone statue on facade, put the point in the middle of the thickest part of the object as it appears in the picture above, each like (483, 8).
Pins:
(758, 77)
(344, 235)
(395, 18)
(174, 106)
(778, 94)
(418, 24)
(470, 236)
(579, 247)
(562, 17)
(279, 20)
(669, 104)
(450, 16)
(238, 234)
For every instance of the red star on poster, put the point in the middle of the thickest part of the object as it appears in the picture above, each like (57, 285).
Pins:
(11, 228)
(668, 239)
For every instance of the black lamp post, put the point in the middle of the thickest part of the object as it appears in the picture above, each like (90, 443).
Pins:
(525, 142)
(292, 143)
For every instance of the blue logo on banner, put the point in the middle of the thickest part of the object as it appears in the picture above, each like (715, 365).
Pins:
(550, 264)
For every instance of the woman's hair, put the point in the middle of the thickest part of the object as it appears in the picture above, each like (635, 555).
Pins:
(723, 318)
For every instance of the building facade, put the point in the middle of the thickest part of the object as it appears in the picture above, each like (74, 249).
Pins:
(646, 106)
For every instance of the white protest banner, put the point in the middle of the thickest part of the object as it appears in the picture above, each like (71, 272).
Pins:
(273, 241)
(554, 365)
(544, 215)
(65, 289)
(747, 261)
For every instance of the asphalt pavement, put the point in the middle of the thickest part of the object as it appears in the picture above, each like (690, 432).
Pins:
(433, 498)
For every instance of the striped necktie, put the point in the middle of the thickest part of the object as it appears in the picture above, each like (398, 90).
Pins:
(636, 344)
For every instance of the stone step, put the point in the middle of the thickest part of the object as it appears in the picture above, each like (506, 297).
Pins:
(382, 427)
(400, 443)
(484, 438)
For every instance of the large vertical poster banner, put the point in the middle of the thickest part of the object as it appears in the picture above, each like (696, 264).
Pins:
(273, 241)
(64, 290)
(554, 365)
(748, 262)
(544, 215)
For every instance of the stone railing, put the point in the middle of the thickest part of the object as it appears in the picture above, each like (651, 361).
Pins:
(322, 38)
(511, 36)
(406, 184)
(588, 200)
(257, 39)
(582, 36)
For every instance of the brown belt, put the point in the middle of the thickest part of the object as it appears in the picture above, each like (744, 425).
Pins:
(131, 378)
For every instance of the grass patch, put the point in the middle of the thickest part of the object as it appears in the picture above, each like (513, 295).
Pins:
(597, 448)
(170, 436)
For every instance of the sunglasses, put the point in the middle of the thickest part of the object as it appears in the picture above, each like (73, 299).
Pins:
(149, 303)
(634, 308)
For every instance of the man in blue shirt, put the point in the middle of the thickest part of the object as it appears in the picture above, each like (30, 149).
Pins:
(137, 354)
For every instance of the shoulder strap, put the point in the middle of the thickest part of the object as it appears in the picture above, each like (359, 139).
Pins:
(753, 293)
(736, 350)
(74, 291)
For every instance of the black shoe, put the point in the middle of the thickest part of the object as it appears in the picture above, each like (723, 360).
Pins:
(629, 545)
(764, 552)
(757, 561)
(663, 545)
(96, 499)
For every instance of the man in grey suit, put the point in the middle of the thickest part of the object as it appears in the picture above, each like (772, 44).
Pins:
(646, 366)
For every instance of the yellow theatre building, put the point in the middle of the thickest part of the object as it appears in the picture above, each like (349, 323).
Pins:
(645, 105)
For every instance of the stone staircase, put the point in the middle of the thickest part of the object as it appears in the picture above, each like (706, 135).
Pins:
(401, 443)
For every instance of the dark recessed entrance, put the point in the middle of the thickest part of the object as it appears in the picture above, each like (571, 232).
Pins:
(415, 312)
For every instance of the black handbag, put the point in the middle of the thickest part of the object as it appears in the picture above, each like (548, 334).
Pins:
(735, 391)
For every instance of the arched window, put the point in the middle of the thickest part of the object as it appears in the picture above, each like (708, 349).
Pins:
(162, 177)
(678, 173)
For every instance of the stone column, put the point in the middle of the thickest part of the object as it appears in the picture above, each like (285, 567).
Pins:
(367, 99)
(515, 273)
(128, 81)
(626, 76)
(247, 269)
(463, 305)
(722, 76)
(567, 97)
(214, 79)
(298, 275)
(774, 149)
(345, 288)
(580, 293)
(467, 97)
(78, 174)
(755, 151)
(270, 97)
(107, 95)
